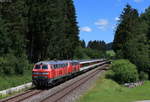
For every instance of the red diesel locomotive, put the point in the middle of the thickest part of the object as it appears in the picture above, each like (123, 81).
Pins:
(47, 73)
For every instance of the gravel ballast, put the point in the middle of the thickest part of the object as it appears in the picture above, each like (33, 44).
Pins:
(73, 95)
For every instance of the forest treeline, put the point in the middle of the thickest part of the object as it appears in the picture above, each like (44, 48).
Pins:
(42, 29)
(132, 38)
(35, 30)
(93, 50)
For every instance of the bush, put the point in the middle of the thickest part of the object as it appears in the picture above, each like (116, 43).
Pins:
(10, 64)
(7, 64)
(21, 65)
(110, 54)
(124, 71)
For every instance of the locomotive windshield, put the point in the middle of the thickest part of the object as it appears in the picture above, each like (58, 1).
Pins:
(44, 67)
(37, 67)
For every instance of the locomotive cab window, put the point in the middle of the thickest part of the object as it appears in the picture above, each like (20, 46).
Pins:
(44, 67)
(37, 67)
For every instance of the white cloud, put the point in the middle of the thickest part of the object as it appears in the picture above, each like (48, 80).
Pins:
(117, 18)
(137, 1)
(102, 24)
(85, 29)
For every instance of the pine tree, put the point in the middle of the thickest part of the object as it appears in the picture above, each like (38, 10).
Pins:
(130, 40)
(13, 26)
(146, 18)
(83, 45)
(71, 30)
(128, 20)
(52, 29)
(12, 37)
(97, 45)
(137, 48)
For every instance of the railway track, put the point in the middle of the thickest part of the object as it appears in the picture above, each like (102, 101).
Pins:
(57, 95)
(23, 96)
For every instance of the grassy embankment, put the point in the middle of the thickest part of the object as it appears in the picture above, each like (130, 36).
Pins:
(107, 90)
(15, 80)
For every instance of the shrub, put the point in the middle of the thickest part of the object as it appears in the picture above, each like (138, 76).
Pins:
(21, 65)
(124, 71)
(110, 54)
(10, 64)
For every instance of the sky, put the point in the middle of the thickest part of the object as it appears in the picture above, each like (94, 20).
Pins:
(97, 19)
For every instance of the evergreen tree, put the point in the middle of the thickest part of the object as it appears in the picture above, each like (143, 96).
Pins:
(11, 17)
(130, 40)
(12, 37)
(97, 45)
(128, 20)
(109, 46)
(146, 18)
(137, 48)
(83, 45)
(71, 30)
(52, 29)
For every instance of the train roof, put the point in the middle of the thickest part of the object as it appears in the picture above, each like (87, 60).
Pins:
(89, 61)
(66, 61)
(57, 62)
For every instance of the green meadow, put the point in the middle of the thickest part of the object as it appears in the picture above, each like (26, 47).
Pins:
(107, 90)
(15, 80)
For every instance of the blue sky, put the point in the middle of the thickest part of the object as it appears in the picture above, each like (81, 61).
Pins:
(97, 19)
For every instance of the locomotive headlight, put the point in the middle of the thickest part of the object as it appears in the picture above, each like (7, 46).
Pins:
(35, 73)
(35, 76)
(45, 77)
